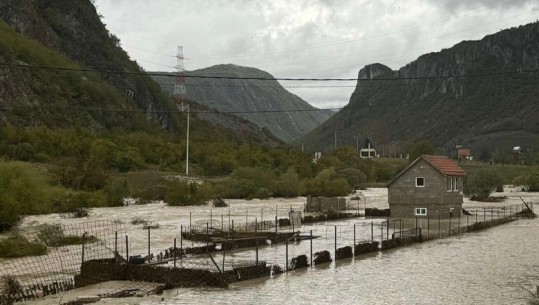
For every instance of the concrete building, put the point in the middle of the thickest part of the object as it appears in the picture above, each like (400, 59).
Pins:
(428, 187)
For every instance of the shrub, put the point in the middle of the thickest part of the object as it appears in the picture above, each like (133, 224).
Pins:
(138, 221)
(219, 203)
(481, 183)
(530, 181)
(150, 225)
(353, 176)
(16, 245)
(53, 235)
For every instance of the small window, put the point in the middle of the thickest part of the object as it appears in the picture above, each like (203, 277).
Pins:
(449, 184)
(455, 184)
(420, 211)
(420, 182)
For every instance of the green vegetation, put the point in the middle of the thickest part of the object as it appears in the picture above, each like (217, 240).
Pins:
(481, 183)
(419, 148)
(53, 235)
(530, 181)
(16, 245)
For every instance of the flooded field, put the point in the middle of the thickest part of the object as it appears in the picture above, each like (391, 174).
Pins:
(492, 266)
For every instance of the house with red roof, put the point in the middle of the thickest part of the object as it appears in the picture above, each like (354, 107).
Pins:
(431, 186)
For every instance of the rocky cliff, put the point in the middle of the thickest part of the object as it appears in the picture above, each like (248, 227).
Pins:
(265, 103)
(73, 29)
(483, 94)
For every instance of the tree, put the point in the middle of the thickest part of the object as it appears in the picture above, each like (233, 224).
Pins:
(421, 147)
(481, 183)
(530, 181)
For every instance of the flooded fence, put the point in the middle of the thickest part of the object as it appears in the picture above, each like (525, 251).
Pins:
(221, 253)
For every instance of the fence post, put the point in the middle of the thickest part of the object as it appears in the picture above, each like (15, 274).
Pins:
(400, 227)
(354, 245)
(127, 248)
(387, 231)
(207, 234)
(416, 222)
(450, 216)
(181, 237)
(224, 245)
(467, 223)
(311, 248)
(149, 241)
(484, 215)
(222, 223)
(190, 223)
(211, 217)
(286, 255)
(83, 241)
(246, 218)
(475, 215)
(115, 243)
(228, 219)
(335, 243)
(233, 232)
(175, 252)
(256, 238)
(372, 232)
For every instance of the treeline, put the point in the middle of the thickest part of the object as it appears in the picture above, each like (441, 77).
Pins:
(45, 170)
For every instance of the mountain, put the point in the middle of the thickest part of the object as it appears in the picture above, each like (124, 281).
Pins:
(483, 94)
(69, 34)
(265, 103)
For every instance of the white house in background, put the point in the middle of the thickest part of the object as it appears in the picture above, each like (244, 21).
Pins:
(368, 149)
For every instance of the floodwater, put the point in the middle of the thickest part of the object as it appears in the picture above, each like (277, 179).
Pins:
(494, 266)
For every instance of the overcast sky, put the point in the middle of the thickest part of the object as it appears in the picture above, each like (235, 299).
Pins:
(303, 38)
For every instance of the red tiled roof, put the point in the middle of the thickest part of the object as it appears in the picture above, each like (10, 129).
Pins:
(445, 165)
(441, 163)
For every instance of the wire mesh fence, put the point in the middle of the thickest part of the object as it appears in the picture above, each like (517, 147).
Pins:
(214, 249)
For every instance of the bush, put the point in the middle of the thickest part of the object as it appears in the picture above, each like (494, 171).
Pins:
(16, 245)
(53, 235)
(530, 181)
(138, 221)
(219, 203)
(353, 176)
(481, 183)
(327, 184)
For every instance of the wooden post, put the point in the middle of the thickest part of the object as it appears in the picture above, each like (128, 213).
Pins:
(127, 248)
(387, 231)
(354, 245)
(311, 248)
(207, 234)
(175, 252)
(286, 255)
(211, 217)
(83, 242)
(190, 223)
(335, 243)
(372, 232)
(222, 223)
(256, 237)
(115, 243)
(181, 238)
(246, 219)
(149, 241)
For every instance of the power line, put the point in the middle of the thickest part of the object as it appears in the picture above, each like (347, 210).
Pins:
(24, 66)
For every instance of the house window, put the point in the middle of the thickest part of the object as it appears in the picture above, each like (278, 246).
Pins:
(420, 182)
(449, 184)
(420, 211)
(455, 184)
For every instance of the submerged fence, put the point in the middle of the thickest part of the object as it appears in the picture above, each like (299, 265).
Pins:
(216, 253)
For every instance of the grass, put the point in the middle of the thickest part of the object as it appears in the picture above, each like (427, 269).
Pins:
(16, 245)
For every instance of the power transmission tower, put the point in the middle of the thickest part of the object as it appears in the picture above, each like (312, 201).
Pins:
(179, 94)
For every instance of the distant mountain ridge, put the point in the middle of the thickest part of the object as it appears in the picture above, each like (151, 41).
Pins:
(470, 94)
(265, 103)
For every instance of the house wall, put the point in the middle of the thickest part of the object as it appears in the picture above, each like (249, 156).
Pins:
(404, 196)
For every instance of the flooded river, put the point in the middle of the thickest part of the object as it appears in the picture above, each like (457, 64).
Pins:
(494, 266)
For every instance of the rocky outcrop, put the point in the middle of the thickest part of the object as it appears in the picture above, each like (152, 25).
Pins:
(476, 93)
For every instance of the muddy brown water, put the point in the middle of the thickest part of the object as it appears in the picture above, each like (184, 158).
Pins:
(494, 266)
